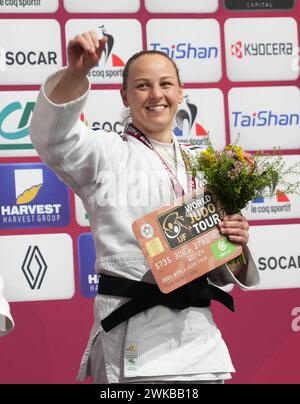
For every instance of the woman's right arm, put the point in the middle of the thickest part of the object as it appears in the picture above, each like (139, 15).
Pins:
(6, 321)
(65, 143)
(84, 53)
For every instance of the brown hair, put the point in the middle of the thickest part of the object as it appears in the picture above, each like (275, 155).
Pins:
(142, 53)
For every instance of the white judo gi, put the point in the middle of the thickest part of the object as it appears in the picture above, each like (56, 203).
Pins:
(6, 320)
(118, 182)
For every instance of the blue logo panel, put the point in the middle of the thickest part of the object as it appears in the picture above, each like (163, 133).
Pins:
(87, 258)
(31, 195)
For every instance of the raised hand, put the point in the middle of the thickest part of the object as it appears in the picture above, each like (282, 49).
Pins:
(84, 52)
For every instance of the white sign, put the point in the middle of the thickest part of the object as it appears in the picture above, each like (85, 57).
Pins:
(102, 6)
(16, 109)
(32, 50)
(179, 6)
(28, 6)
(193, 44)
(261, 49)
(104, 110)
(124, 40)
(282, 205)
(276, 252)
(265, 117)
(196, 121)
(37, 267)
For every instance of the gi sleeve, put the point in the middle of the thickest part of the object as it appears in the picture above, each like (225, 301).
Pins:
(65, 143)
(6, 320)
(246, 279)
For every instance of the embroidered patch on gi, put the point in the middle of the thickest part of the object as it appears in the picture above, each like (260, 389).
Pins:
(131, 356)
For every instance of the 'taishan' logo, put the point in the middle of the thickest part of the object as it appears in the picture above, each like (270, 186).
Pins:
(187, 127)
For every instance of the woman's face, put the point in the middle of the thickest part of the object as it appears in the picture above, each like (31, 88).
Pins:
(153, 94)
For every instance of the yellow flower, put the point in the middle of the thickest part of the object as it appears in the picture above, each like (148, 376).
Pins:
(210, 155)
(240, 153)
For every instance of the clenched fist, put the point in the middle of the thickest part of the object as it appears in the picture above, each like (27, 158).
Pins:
(84, 52)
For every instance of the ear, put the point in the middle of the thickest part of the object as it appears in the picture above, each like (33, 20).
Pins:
(124, 97)
(181, 94)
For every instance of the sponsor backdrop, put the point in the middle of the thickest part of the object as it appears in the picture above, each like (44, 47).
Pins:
(239, 62)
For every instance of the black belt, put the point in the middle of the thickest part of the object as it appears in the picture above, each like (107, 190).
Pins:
(197, 293)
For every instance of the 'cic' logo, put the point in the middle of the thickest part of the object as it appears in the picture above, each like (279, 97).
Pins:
(116, 60)
(34, 267)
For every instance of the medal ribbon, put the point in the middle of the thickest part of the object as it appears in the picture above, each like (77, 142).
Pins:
(137, 134)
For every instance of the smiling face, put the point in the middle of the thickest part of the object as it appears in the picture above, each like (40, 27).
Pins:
(153, 93)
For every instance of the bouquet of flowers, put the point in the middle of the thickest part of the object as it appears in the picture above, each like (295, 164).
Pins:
(235, 177)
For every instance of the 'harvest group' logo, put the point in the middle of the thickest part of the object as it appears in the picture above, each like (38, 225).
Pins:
(27, 186)
(33, 197)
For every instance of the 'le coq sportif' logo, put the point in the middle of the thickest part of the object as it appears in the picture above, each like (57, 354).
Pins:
(116, 60)
(185, 120)
(34, 267)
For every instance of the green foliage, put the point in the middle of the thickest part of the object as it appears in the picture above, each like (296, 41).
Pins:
(236, 177)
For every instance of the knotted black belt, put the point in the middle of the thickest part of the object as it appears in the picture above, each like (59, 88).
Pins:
(197, 293)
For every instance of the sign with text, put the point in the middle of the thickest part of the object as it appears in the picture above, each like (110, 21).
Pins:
(194, 44)
(28, 6)
(265, 117)
(181, 242)
(179, 6)
(123, 40)
(31, 50)
(259, 5)
(32, 196)
(261, 49)
(102, 6)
